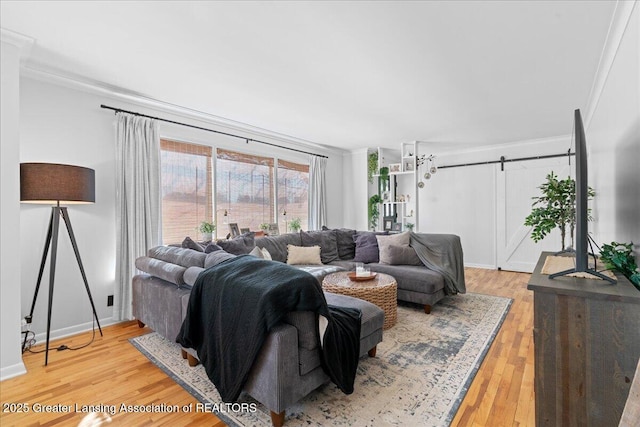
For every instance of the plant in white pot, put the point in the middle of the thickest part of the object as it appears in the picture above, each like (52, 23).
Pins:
(207, 228)
(295, 225)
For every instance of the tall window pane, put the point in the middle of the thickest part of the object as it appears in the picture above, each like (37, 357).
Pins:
(293, 189)
(244, 190)
(186, 189)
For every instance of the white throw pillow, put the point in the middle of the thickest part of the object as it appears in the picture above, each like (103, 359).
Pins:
(257, 252)
(303, 255)
(266, 254)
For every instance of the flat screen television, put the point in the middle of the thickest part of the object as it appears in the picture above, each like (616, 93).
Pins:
(582, 209)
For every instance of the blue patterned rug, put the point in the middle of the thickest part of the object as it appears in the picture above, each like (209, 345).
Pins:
(420, 375)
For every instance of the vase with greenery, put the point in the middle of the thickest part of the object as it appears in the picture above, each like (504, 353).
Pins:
(409, 226)
(264, 226)
(555, 208)
(619, 256)
(372, 165)
(295, 225)
(207, 228)
(374, 210)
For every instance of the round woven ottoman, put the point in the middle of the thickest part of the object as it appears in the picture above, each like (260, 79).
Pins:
(382, 290)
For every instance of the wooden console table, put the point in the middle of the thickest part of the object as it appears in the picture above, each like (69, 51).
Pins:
(587, 344)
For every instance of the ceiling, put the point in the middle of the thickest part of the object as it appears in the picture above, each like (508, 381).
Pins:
(344, 74)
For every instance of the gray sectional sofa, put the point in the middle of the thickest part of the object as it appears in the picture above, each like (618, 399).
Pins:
(288, 366)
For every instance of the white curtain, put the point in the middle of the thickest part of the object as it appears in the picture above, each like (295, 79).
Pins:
(137, 201)
(317, 192)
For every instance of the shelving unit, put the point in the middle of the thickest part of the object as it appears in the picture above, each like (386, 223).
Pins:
(401, 195)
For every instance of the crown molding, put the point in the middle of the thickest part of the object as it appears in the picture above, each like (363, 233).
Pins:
(617, 28)
(552, 140)
(48, 75)
(22, 42)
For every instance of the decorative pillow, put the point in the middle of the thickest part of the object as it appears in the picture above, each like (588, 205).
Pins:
(326, 240)
(399, 255)
(239, 245)
(212, 247)
(367, 246)
(265, 254)
(401, 239)
(257, 252)
(345, 242)
(188, 243)
(305, 255)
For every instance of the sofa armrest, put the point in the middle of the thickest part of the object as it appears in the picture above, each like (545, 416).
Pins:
(276, 364)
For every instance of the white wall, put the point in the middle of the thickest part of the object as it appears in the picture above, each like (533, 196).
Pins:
(10, 241)
(60, 123)
(613, 139)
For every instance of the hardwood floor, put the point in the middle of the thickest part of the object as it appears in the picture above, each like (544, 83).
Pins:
(112, 372)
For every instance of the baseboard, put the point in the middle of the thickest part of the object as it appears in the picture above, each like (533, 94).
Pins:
(41, 338)
(485, 266)
(12, 371)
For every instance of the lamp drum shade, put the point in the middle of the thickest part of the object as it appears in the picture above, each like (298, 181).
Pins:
(52, 182)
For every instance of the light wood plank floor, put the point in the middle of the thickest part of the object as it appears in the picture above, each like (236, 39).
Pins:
(112, 372)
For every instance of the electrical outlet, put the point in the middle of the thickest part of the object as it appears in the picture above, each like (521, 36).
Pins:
(110, 301)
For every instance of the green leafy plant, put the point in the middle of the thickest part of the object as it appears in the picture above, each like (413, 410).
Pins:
(619, 256)
(555, 208)
(409, 226)
(372, 165)
(374, 210)
(264, 226)
(295, 224)
(207, 227)
(384, 175)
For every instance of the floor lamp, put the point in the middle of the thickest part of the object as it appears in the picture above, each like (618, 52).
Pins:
(51, 183)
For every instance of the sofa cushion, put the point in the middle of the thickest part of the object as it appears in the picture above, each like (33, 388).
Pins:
(180, 256)
(367, 246)
(399, 255)
(277, 245)
(215, 258)
(164, 270)
(190, 276)
(305, 255)
(325, 239)
(239, 245)
(412, 278)
(384, 242)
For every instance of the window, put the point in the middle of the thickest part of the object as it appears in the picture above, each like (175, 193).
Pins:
(186, 173)
(244, 193)
(293, 189)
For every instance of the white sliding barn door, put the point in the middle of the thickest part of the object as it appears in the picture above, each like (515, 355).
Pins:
(516, 185)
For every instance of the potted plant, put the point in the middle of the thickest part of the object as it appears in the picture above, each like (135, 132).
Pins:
(374, 211)
(264, 226)
(372, 165)
(409, 226)
(295, 225)
(555, 208)
(619, 256)
(207, 228)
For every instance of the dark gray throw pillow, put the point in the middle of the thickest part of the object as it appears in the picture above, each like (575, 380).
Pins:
(212, 247)
(400, 255)
(239, 245)
(367, 246)
(326, 240)
(188, 243)
(346, 244)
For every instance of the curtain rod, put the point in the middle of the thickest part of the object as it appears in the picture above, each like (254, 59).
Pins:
(119, 110)
(504, 160)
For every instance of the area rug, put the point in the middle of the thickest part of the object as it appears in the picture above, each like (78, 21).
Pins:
(420, 375)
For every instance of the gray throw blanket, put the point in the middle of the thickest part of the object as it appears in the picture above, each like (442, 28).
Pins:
(442, 253)
(234, 305)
